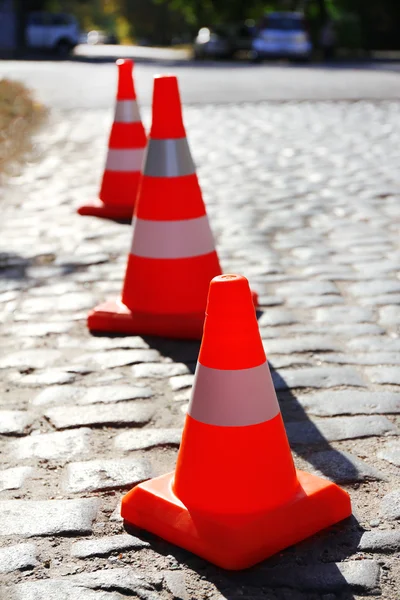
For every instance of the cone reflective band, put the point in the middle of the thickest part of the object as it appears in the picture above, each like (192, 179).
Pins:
(172, 257)
(125, 154)
(235, 497)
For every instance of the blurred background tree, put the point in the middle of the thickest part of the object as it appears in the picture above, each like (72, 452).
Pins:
(359, 23)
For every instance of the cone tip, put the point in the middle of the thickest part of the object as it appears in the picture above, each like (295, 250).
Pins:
(121, 62)
(229, 291)
(167, 111)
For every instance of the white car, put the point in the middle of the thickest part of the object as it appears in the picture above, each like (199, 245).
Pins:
(48, 31)
(282, 35)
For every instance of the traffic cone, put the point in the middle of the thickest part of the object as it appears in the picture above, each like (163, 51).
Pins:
(125, 154)
(235, 497)
(173, 256)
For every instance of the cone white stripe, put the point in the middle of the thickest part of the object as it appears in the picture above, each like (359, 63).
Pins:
(125, 160)
(126, 111)
(172, 239)
(168, 158)
(233, 398)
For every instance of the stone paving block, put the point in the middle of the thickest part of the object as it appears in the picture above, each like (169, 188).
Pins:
(105, 545)
(377, 301)
(353, 330)
(360, 576)
(374, 344)
(265, 300)
(61, 394)
(14, 478)
(129, 342)
(180, 382)
(304, 288)
(14, 421)
(18, 557)
(391, 453)
(390, 505)
(36, 359)
(380, 358)
(338, 428)
(276, 317)
(388, 375)
(147, 438)
(342, 467)
(65, 303)
(390, 316)
(42, 378)
(374, 288)
(47, 517)
(114, 393)
(316, 377)
(309, 343)
(313, 301)
(110, 584)
(61, 445)
(38, 329)
(176, 584)
(94, 475)
(343, 314)
(380, 541)
(349, 402)
(159, 370)
(122, 413)
(117, 358)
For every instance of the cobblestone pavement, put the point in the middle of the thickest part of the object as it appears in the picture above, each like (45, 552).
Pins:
(304, 200)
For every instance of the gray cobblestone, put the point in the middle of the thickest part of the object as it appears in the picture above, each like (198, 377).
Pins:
(344, 314)
(112, 584)
(361, 576)
(390, 375)
(52, 517)
(48, 377)
(276, 317)
(380, 541)
(349, 402)
(122, 413)
(105, 545)
(309, 343)
(180, 382)
(374, 344)
(14, 421)
(381, 358)
(390, 505)
(159, 370)
(374, 288)
(316, 377)
(92, 395)
(14, 478)
(117, 358)
(300, 288)
(390, 316)
(339, 428)
(63, 445)
(36, 359)
(342, 467)
(18, 556)
(94, 475)
(391, 453)
(148, 438)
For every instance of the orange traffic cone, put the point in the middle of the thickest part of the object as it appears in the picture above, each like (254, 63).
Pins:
(125, 154)
(173, 257)
(235, 497)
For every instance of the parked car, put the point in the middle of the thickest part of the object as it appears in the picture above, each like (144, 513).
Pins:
(282, 34)
(223, 41)
(49, 31)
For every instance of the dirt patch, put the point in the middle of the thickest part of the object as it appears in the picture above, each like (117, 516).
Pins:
(20, 117)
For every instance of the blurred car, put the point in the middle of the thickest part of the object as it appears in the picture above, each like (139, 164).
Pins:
(96, 37)
(282, 34)
(223, 41)
(52, 31)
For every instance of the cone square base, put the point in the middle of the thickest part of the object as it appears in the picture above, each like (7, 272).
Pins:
(115, 317)
(236, 542)
(97, 208)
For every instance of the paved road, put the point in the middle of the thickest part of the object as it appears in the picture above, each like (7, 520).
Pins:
(89, 81)
(303, 199)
